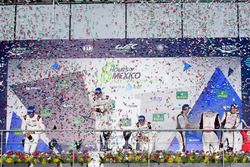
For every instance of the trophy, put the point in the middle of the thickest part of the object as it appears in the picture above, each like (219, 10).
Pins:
(52, 144)
(106, 135)
(127, 135)
(141, 138)
(78, 144)
(30, 138)
(138, 142)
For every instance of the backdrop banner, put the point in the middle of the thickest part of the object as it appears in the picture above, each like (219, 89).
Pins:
(150, 77)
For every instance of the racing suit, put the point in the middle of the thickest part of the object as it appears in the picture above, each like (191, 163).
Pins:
(229, 121)
(182, 122)
(34, 123)
(144, 138)
(102, 107)
(246, 141)
(209, 122)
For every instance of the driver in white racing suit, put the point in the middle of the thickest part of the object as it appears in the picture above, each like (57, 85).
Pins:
(102, 105)
(210, 121)
(144, 139)
(230, 120)
(182, 123)
(31, 121)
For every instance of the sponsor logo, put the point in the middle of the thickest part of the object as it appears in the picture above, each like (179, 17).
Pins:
(67, 106)
(160, 47)
(125, 121)
(247, 62)
(228, 49)
(87, 48)
(112, 71)
(18, 132)
(117, 87)
(46, 113)
(77, 120)
(181, 95)
(17, 51)
(126, 48)
(158, 117)
(193, 140)
(222, 94)
(64, 84)
(132, 105)
(33, 88)
(156, 98)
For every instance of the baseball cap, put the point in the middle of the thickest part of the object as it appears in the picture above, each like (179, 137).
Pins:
(98, 91)
(30, 110)
(235, 106)
(141, 118)
(186, 107)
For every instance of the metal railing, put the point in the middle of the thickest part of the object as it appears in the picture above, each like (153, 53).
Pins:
(4, 132)
(45, 2)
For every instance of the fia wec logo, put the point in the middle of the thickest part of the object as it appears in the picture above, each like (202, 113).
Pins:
(127, 47)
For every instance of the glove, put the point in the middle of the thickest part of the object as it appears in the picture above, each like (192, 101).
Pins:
(23, 141)
(183, 149)
(27, 134)
(98, 110)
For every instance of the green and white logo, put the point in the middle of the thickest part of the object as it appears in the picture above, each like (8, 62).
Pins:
(158, 117)
(126, 122)
(46, 113)
(19, 133)
(64, 84)
(222, 94)
(247, 62)
(77, 120)
(181, 95)
(106, 74)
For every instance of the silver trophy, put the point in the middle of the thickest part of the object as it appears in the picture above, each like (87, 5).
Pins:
(78, 144)
(138, 142)
(106, 135)
(52, 144)
(127, 135)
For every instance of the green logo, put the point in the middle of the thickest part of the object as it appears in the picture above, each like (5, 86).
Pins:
(64, 84)
(158, 117)
(71, 146)
(222, 94)
(126, 122)
(247, 62)
(77, 120)
(46, 113)
(18, 133)
(113, 104)
(106, 74)
(181, 95)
